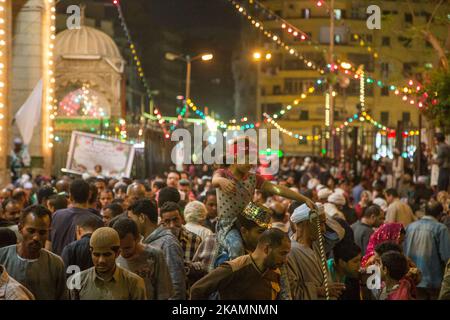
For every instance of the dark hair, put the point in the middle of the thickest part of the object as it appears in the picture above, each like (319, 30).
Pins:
(107, 191)
(58, 201)
(93, 193)
(396, 264)
(45, 193)
(274, 237)
(37, 210)
(79, 191)
(100, 180)
(168, 194)
(118, 201)
(124, 226)
(172, 171)
(210, 192)
(121, 186)
(434, 209)
(392, 192)
(371, 210)
(7, 237)
(440, 137)
(89, 221)
(159, 184)
(346, 252)
(145, 207)
(115, 208)
(386, 247)
(294, 205)
(169, 206)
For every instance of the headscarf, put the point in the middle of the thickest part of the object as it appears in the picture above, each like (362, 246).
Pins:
(387, 232)
(300, 214)
(195, 212)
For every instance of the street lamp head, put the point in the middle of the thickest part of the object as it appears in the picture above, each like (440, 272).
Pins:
(256, 56)
(171, 56)
(207, 57)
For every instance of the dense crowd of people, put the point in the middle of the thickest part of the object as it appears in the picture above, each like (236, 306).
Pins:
(319, 229)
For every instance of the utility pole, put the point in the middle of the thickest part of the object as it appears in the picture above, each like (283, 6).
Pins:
(188, 77)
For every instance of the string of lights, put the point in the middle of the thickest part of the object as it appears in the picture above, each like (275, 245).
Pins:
(275, 37)
(3, 80)
(270, 120)
(51, 108)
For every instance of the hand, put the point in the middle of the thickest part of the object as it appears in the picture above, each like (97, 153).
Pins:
(311, 204)
(227, 186)
(335, 289)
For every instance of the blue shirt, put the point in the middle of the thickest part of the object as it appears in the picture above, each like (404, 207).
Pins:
(427, 243)
(356, 193)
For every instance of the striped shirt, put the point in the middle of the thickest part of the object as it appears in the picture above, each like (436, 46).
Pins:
(189, 243)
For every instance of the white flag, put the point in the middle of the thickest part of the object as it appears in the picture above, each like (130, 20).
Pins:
(29, 114)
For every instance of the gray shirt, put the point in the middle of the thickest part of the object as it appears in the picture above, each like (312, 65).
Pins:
(123, 285)
(362, 233)
(45, 276)
(152, 267)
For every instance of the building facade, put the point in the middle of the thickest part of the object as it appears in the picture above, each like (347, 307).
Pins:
(387, 55)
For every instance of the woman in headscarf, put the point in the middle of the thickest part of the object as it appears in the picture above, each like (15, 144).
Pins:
(392, 232)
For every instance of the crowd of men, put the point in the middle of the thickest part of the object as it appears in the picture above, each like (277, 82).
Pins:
(230, 233)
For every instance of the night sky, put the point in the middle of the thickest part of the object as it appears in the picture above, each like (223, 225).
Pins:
(205, 26)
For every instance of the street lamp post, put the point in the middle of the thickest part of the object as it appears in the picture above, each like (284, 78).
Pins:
(188, 59)
(258, 57)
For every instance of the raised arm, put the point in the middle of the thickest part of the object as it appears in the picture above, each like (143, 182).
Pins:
(285, 192)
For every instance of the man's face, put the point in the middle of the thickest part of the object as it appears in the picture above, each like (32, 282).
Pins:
(172, 220)
(104, 260)
(251, 237)
(120, 194)
(101, 185)
(351, 267)
(34, 232)
(128, 246)
(211, 206)
(389, 198)
(12, 212)
(106, 216)
(277, 257)
(172, 180)
(185, 189)
(106, 198)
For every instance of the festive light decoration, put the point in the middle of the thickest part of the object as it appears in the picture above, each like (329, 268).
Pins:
(288, 132)
(82, 102)
(285, 25)
(3, 68)
(50, 111)
(276, 38)
(361, 90)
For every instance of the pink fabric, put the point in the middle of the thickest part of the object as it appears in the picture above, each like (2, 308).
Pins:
(405, 291)
(387, 232)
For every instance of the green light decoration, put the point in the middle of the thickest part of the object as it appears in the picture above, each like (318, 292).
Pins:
(269, 152)
(324, 151)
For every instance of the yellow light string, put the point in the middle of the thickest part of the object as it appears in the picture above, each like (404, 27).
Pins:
(288, 132)
(3, 80)
(275, 38)
(50, 108)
